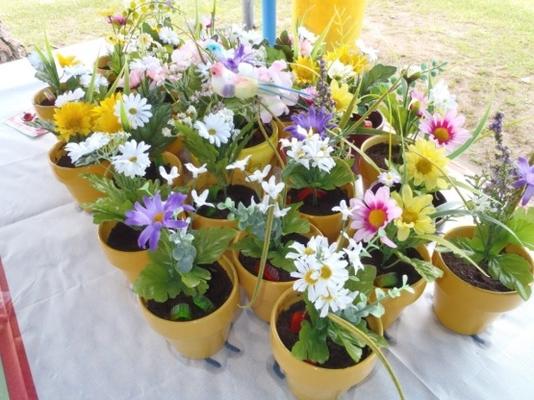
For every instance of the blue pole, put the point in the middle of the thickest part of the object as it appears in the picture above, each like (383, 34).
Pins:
(269, 20)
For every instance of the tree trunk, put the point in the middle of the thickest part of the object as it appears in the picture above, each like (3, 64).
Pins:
(10, 48)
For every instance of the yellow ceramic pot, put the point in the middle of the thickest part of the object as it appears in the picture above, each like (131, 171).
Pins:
(464, 308)
(393, 307)
(176, 146)
(306, 381)
(263, 153)
(44, 112)
(200, 338)
(131, 263)
(79, 187)
(330, 225)
(270, 291)
(346, 17)
(172, 160)
(367, 171)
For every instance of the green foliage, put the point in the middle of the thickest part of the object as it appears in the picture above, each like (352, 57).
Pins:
(378, 74)
(211, 243)
(203, 303)
(156, 282)
(424, 268)
(363, 280)
(151, 132)
(293, 222)
(522, 224)
(312, 342)
(513, 271)
(181, 311)
(299, 177)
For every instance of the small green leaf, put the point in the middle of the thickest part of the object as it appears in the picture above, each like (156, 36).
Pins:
(514, 272)
(363, 281)
(203, 303)
(424, 268)
(293, 221)
(156, 283)
(181, 312)
(211, 243)
(311, 344)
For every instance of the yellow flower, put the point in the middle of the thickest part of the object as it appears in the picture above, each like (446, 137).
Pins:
(416, 213)
(348, 56)
(104, 116)
(305, 70)
(73, 119)
(67, 61)
(341, 95)
(424, 163)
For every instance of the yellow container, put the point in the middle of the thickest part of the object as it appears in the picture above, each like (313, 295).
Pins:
(346, 17)
(262, 153)
(172, 160)
(131, 263)
(269, 292)
(44, 112)
(393, 307)
(200, 338)
(306, 381)
(79, 188)
(367, 171)
(464, 308)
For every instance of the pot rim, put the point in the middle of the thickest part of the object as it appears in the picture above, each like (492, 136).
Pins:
(232, 274)
(486, 291)
(34, 99)
(379, 139)
(417, 283)
(104, 243)
(349, 191)
(273, 139)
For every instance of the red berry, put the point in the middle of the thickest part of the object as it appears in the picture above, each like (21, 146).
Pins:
(296, 321)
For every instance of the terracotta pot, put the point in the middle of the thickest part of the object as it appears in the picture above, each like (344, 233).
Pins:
(330, 225)
(270, 291)
(44, 112)
(79, 187)
(263, 153)
(200, 338)
(368, 173)
(131, 263)
(464, 308)
(309, 382)
(393, 307)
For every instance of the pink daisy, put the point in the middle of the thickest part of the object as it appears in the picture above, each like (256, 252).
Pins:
(419, 102)
(373, 213)
(446, 131)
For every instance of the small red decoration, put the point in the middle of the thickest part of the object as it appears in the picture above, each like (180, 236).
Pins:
(296, 321)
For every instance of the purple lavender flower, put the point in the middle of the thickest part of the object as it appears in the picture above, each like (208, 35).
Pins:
(156, 215)
(239, 57)
(317, 119)
(525, 178)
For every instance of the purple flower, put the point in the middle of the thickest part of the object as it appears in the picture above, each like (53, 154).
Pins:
(239, 57)
(316, 119)
(525, 178)
(155, 215)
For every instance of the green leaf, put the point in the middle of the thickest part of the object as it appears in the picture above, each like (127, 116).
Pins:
(513, 271)
(293, 221)
(211, 243)
(363, 281)
(203, 151)
(156, 283)
(181, 311)
(424, 268)
(311, 344)
(299, 177)
(379, 73)
(249, 246)
(522, 223)
(203, 303)
(278, 258)
(474, 136)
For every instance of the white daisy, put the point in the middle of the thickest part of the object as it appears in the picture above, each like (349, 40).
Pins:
(340, 71)
(317, 247)
(171, 176)
(200, 199)
(344, 209)
(334, 300)
(216, 128)
(271, 188)
(441, 98)
(196, 171)
(370, 52)
(239, 164)
(332, 273)
(93, 143)
(133, 159)
(100, 81)
(136, 109)
(146, 63)
(306, 275)
(259, 175)
(168, 36)
(74, 71)
(69, 96)
(389, 178)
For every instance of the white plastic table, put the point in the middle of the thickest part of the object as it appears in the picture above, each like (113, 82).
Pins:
(85, 337)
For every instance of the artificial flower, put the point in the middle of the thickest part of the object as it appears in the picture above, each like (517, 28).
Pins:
(259, 174)
(149, 67)
(334, 300)
(343, 209)
(419, 102)
(338, 70)
(319, 152)
(93, 143)
(74, 71)
(305, 274)
(99, 81)
(440, 97)
(136, 109)
(354, 251)
(347, 56)
(317, 248)
(217, 128)
(200, 200)
(271, 188)
(316, 119)
(416, 212)
(168, 36)
(370, 52)
(331, 274)
(73, 119)
(169, 176)
(445, 131)
(239, 164)
(389, 178)
(525, 178)
(67, 61)
(69, 96)
(425, 163)
(340, 95)
(105, 119)
(280, 212)
(305, 71)
(196, 171)
(132, 159)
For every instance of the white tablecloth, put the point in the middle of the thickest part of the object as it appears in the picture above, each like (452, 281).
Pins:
(86, 339)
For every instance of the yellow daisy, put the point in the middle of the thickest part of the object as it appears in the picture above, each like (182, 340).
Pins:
(305, 70)
(104, 116)
(73, 119)
(416, 213)
(348, 56)
(424, 163)
(67, 61)
(341, 95)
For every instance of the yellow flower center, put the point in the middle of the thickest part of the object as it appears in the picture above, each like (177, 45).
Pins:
(326, 272)
(132, 159)
(377, 218)
(442, 134)
(308, 278)
(158, 217)
(132, 111)
(409, 217)
(423, 166)
(309, 251)
(212, 132)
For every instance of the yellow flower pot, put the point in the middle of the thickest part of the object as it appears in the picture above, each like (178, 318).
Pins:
(171, 160)
(79, 187)
(270, 291)
(306, 381)
(346, 17)
(262, 153)
(44, 112)
(367, 171)
(393, 307)
(200, 338)
(330, 225)
(131, 263)
(176, 146)
(464, 308)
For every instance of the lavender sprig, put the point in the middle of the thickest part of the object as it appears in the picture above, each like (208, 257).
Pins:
(323, 98)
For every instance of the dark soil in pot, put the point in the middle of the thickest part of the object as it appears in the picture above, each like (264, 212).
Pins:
(46, 102)
(65, 162)
(326, 200)
(399, 269)
(152, 171)
(257, 136)
(238, 193)
(468, 273)
(271, 273)
(220, 287)
(339, 358)
(380, 153)
(123, 238)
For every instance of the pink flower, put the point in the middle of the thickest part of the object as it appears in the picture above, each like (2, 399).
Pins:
(186, 56)
(445, 131)
(309, 94)
(419, 102)
(372, 214)
(305, 47)
(118, 19)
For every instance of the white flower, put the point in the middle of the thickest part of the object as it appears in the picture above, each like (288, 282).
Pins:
(303, 33)
(146, 63)
(168, 36)
(74, 71)
(196, 171)
(171, 176)
(332, 273)
(338, 70)
(239, 164)
(144, 40)
(317, 248)
(35, 61)
(344, 209)
(259, 175)
(262, 206)
(69, 96)
(217, 128)
(370, 52)
(318, 151)
(200, 199)
(271, 188)
(136, 109)
(441, 98)
(280, 213)
(296, 151)
(389, 178)
(93, 143)
(354, 251)
(306, 274)
(133, 159)
(166, 132)
(100, 81)
(334, 300)
(252, 37)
